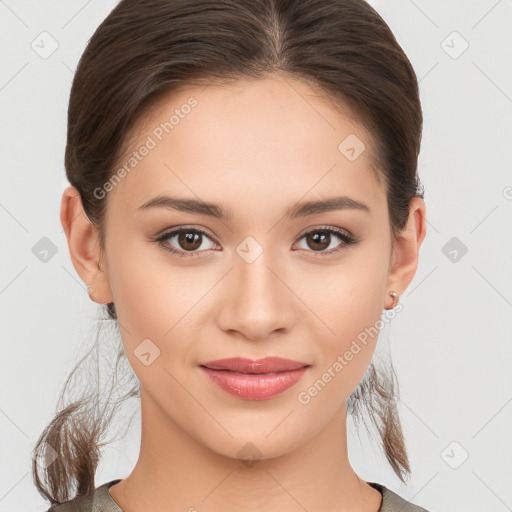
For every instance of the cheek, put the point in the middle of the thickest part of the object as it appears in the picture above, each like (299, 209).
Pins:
(349, 297)
(140, 289)
(154, 298)
(161, 300)
(349, 303)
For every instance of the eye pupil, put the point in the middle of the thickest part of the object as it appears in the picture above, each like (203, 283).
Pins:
(190, 240)
(320, 239)
(188, 237)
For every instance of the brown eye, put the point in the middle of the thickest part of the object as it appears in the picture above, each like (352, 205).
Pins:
(188, 241)
(319, 240)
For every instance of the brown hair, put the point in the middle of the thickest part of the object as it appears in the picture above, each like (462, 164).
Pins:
(147, 48)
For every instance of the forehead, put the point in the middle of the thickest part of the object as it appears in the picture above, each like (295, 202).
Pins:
(269, 138)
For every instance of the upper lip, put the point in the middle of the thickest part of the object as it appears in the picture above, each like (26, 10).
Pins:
(264, 365)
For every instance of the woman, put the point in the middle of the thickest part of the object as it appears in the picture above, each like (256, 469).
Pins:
(244, 199)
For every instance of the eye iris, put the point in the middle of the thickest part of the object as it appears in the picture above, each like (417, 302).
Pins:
(320, 240)
(187, 237)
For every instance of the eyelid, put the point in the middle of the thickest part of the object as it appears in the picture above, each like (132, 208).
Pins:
(347, 239)
(165, 233)
(173, 231)
(327, 227)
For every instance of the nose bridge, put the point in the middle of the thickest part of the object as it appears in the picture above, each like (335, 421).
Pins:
(258, 301)
(256, 279)
(256, 276)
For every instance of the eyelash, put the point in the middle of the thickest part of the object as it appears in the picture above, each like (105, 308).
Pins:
(347, 241)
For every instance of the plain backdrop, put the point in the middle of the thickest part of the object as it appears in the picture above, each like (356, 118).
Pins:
(451, 344)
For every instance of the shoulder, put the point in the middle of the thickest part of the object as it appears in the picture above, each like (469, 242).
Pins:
(97, 501)
(392, 502)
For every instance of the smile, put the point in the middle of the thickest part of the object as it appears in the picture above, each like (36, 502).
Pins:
(254, 380)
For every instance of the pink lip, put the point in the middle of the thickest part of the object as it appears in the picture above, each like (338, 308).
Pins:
(254, 380)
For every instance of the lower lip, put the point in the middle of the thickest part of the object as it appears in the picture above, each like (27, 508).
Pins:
(255, 386)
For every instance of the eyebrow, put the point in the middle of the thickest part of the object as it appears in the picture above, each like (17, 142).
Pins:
(217, 211)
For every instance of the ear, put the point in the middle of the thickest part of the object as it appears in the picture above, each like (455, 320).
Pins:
(84, 246)
(404, 258)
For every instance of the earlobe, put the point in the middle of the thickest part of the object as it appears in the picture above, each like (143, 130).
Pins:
(84, 246)
(406, 248)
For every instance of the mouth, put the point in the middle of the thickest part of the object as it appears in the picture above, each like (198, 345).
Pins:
(254, 380)
(265, 365)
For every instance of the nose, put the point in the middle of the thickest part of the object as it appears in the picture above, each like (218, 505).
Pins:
(256, 299)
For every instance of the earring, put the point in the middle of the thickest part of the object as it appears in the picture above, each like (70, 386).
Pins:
(394, 295)
(90, 290)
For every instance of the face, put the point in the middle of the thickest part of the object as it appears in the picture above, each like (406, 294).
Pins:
(269, 278)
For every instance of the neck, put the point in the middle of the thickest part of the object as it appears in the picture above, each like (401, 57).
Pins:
(174, 468)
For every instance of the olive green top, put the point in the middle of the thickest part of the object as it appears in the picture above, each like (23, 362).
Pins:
(102, 501)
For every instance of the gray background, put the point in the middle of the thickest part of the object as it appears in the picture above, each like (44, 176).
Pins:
(451, 345)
